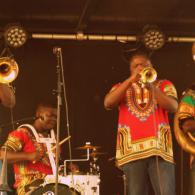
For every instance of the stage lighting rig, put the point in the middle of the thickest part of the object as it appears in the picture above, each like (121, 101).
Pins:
(153, 38)
(15, 35)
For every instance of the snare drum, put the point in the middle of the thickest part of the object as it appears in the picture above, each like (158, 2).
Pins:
(49, 189)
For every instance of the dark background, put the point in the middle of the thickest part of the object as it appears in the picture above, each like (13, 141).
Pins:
(92, 67)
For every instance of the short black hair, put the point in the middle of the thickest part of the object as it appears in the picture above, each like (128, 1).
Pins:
(47, 104)
(41, 106)
(139, 53)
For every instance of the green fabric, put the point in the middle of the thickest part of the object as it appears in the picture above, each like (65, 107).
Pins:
(188, 99)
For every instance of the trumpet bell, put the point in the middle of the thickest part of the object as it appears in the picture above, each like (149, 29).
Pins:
(8, 70)
(148, 75)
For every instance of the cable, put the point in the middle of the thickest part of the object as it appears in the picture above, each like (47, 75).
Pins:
(66, 108)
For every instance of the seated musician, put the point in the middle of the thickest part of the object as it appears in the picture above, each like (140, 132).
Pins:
(26, 150)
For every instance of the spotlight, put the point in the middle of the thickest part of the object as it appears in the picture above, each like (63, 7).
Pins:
(15, 35)
(153, 37)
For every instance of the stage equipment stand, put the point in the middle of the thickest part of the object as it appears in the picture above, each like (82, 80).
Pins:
(4, 188)
(60, 83)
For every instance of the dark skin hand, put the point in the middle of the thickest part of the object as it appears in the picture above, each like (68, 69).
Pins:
(14, 157)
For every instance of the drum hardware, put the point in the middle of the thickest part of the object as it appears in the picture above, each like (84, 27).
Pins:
(93, 167)
(87, 147)
(95, 154)
(73, 184)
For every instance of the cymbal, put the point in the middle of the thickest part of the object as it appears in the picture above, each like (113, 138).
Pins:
(94, 154)
(85, 147)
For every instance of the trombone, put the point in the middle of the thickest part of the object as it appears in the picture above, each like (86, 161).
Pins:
(8, 70)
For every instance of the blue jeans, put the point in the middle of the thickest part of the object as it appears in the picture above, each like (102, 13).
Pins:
(159, 172)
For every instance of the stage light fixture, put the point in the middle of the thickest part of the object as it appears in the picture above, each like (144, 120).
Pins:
(15, 35)
(153, 37)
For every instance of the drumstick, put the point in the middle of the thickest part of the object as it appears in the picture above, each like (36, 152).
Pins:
(61, 142)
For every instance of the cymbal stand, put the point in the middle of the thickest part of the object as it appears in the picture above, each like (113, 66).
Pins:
(76, 160)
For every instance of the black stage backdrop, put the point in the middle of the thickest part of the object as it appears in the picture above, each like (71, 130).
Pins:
(90, 70)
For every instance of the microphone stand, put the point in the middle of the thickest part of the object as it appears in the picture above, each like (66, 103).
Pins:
(60, 74)
(57, 51)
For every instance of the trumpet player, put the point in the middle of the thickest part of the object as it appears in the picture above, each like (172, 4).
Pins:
(144, 142)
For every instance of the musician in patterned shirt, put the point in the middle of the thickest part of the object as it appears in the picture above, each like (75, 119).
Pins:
(29, 156)
(144, 142)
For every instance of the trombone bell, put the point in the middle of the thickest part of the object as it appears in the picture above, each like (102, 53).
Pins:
(8, 70)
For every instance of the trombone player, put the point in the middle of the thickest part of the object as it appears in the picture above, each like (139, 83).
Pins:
(144, 142)
(184, 127)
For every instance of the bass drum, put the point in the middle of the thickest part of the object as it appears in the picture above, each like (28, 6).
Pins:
(49, 189)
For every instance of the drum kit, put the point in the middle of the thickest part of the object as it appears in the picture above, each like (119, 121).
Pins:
(74, 182)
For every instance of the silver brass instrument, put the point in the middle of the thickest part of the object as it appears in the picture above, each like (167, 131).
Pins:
(8, 70)
(148, 75)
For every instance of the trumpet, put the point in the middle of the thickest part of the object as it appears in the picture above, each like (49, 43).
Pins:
(148, 75)
(8, 70)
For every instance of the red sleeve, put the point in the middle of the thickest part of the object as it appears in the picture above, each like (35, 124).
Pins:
(168, 88)
(16, 139)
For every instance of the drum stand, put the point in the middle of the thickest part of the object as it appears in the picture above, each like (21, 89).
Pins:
(76, 160)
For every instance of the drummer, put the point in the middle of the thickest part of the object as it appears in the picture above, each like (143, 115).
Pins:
(28, 154)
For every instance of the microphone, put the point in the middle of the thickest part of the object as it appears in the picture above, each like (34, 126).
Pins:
(57, 50)
(16, 122)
